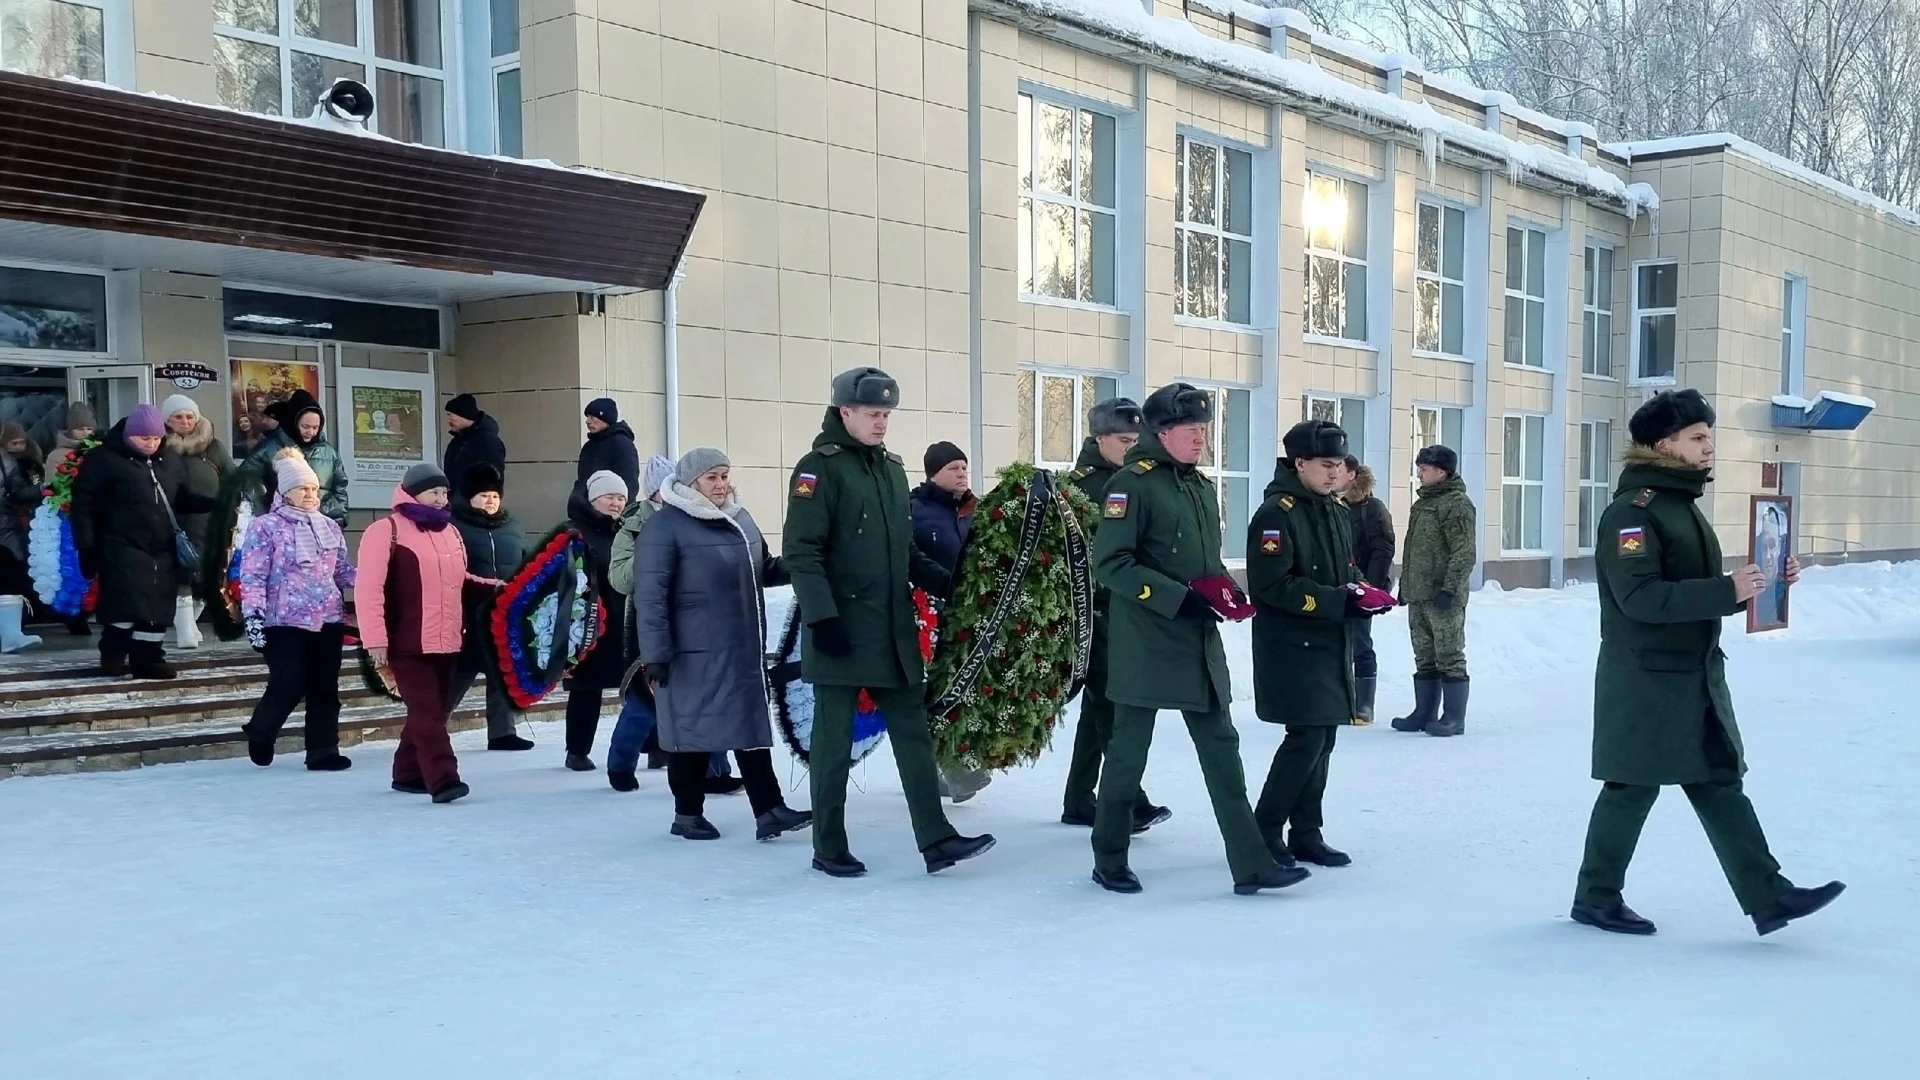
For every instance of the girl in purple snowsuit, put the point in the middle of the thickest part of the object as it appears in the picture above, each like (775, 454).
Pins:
(294, 571)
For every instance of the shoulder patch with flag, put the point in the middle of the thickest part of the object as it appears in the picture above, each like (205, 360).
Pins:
(1116, 505)
(804, 485)
(1269, 541)
(1632, 541)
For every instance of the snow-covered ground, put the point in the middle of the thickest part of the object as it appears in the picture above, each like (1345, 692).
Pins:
(217, 920)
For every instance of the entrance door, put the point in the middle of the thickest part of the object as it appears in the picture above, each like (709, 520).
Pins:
(111, 391)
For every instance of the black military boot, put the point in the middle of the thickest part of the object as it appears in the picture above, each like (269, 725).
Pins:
(779, 821)
(842, 865)
(1453, 716)
(1794, 904)
(1615, 918)
(694, 827)
(1277, 847)
(1363, 691)
(942, 854)
(1273, 877)
(1426, 704)
(1147, 816)
(1314, 850)
(1119, 879)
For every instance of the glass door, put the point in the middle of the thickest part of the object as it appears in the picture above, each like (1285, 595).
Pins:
(111, 391)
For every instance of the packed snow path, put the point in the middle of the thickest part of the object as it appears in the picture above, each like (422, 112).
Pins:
(214, 919)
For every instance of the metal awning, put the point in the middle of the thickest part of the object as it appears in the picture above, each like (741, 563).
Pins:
(92, 175)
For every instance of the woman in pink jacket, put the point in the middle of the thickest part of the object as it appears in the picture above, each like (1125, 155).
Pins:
(413, 570)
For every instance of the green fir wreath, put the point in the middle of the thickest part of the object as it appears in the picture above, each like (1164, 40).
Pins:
(1003, 712)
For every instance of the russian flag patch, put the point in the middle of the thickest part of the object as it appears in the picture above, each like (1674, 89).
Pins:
(1116, 504)
(1632, 541)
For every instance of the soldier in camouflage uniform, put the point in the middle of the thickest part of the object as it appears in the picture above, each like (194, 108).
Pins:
(1434, 571)
(849, 547)
(1115, 424)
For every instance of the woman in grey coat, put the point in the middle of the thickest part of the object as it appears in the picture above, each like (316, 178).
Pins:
(700, 569)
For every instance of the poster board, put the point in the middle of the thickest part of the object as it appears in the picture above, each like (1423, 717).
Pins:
(385, 428)
(1769, 544)
(257, 384)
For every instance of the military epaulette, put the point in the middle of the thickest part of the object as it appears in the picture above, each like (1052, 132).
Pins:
(1643, 497)
(829, 450)
(1080, 473)
(896, 459)
(1286, 502)
(1141, 467)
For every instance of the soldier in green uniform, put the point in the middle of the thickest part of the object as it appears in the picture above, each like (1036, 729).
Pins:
(1662, 713)
(1159, 533)
(1115, 424)
(849, 547)
(1305, 589)
(1434, 572)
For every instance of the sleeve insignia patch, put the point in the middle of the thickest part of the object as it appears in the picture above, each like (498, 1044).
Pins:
(1146, 593)
(804, 485)
(1286, 502)
(1632, 541)
(1310, 603)
(1116, 504)
(1269, 541)
(1644, 497)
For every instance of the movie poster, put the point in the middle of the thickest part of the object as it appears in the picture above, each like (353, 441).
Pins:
(386, 428)
(258, 384)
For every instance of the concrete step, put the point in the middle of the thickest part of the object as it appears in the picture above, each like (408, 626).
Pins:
(123, 709)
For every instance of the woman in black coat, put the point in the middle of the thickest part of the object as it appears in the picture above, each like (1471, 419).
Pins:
(124, 502)
(496, 546)
(700, 569)
(596, 519)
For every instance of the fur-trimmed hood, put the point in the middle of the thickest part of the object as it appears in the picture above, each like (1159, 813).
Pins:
(192, 444)
(693, 504)
(1362, 487)
(1637, 454)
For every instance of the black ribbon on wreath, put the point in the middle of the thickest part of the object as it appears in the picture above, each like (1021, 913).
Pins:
(1041, 495)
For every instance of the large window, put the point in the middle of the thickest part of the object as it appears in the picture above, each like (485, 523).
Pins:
(1440, 281)
(1213, 231)
(55, 38)
(1066, 201)
(1053, 414)
(1596, 312)
(1793, 333)
(1656, 318)
(1526, 296)
(1434, 425)
(278, 56)
(1350, 413)
(1335, 215)
(1229, 461)
(1596, 461)
(1523, 469)
(43, 309)
(504, 73)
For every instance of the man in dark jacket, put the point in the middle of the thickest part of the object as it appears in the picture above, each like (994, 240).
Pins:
(849, 550)
(1115, 424)
(609, 447)
(942, 511)
(1662, 713)
(1434, 573)
(1301, 576)
(1373, 549)
(1159, 533)
(473, 441)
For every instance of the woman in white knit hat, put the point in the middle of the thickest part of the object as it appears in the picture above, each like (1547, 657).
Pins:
(190, 439)
(600, 671)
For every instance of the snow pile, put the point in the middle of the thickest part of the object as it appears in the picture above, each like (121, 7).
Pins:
(1127, 21)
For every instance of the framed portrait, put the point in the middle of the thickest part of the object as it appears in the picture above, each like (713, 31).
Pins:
(1770, 536)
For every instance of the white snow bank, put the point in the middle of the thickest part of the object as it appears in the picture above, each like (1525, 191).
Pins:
(1773, 161)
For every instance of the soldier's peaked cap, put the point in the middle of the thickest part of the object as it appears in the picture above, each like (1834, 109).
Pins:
(1115, 416)
(865, 386)
(1175, 404)
(1315, 439)
(1667, 413)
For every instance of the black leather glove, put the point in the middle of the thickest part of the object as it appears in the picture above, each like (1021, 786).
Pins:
(257, 632)
(830, 637)
(1195, 606)
(657, 675)
(1443, 600)
(89, 564)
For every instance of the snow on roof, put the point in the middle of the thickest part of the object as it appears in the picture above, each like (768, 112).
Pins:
(1127, 21)
(1763, 156)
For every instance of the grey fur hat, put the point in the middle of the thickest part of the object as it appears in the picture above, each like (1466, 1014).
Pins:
(1115, 416)
(867, 386)
(696, 461)
(1177, 403)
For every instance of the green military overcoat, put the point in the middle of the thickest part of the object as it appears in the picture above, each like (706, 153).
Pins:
(1299, 560)
(849, 547)
(1091, 474)
(1439, 552)
(1159, 531)
(1662, 596)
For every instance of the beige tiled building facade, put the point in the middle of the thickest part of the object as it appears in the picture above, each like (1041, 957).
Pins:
(1017, 207)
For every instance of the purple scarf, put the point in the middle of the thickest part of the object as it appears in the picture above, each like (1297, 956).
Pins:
(429, 518)
(310, 532)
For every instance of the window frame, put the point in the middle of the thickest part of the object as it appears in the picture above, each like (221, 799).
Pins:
(1596, 485)
(1510, 294)
(1027, 99)
(110, 312)
(1185, 139)
(1439, 412)
(1343, 258)
(1438, 275)
(1344, 406)
(1592, 310)
(364, 54)
(1523, 483)
(1793, 333)
(1636, 376)
(498, 65)
(116, 39)
(1213, 464)
(1036, 409)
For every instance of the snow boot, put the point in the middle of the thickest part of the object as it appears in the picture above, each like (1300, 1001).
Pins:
(779, 821)
(1363, 690)
(509, 742)
(410, 787)
(1426, 704)
(842, 865)
(186, 632)
(942, 854)
(1453, 718)
(13, 610)
(1119, 879)
(580, 763)
(1273, 877)
(334, 762)
(1615, 919)
(623, 781)
(694, 827)
(455, 790)
(1794, 904)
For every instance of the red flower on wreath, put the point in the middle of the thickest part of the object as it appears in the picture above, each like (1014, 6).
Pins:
(998, 514)
(1046, 557)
